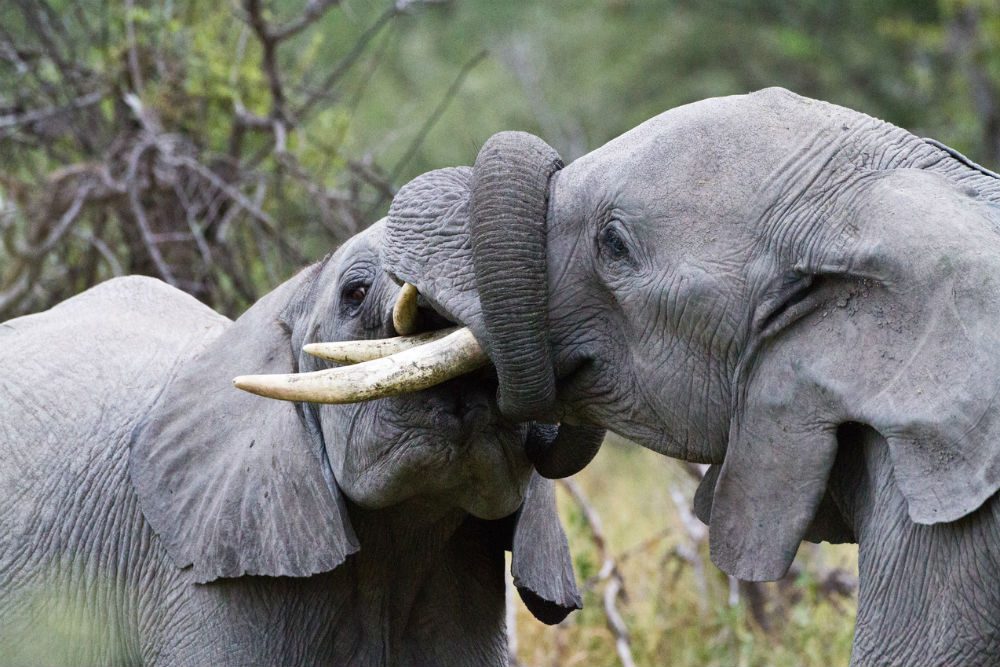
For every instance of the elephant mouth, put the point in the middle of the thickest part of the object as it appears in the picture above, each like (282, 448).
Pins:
(374, 369)
(463, 408)
(415, 362)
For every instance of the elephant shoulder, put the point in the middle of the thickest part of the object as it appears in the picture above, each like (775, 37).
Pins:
(77, 376)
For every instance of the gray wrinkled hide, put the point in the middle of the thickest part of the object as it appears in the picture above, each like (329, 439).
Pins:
(278, 512)
(782, 270)
(537, 543)
(96, 571)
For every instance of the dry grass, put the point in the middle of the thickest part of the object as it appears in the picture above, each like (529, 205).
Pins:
(673, 615)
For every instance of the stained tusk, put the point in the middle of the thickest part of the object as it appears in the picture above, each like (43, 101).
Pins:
(404, 312)
(356, 351)
(410, 370)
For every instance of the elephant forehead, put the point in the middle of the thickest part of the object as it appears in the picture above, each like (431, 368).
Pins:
(720, 147)
(427, 242)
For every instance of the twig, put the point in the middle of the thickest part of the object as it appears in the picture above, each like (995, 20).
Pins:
(609, 572)
(145, 231)
(644, 546)
(616, 623)
(696, 533)
(239, 198)
(347, 61)
(435, 115)
(14, 120)
(103, 250)
(13, 293)
(133, 56)
(39, 250)
(269, 59)
(511, 619)
(312, 12)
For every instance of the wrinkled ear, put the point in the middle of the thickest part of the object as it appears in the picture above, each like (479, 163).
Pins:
(540, 559)
(774, 476)
(900, 334)
(233, 483)
(827, 525)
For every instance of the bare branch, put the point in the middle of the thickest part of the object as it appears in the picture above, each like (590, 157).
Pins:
(269, 57)
(14, 120)
(615, 588)
(104, 251)
(133, 49)
(14, 292)
(38, 251)
(239, 198)
(314, 9)
(616, 623)
(155, 176)
(140, 213)
(696, 533)
(347, 61)
(436, 114)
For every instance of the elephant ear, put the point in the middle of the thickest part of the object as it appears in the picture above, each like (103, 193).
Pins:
(896, 329)
(827, 525)
(236, 484)
(540, 560)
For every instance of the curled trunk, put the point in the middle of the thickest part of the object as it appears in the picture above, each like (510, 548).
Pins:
(510, 190)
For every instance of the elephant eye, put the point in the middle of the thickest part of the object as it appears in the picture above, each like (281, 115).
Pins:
(353, 295)
(613, 244)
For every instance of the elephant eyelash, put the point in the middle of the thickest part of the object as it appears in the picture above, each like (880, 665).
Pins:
(613, 243)
(353, 296)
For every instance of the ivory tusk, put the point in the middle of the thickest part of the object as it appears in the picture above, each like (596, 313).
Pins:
(414, 369)
(356, 351)
(404, 312)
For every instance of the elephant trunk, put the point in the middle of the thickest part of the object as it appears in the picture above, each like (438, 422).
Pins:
(510, 198)
(510, 191)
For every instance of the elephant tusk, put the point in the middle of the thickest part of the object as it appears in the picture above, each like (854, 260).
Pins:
(414, 369)
(404, 312)
(356, 351)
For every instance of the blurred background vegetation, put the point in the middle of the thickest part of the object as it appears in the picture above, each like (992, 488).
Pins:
(222, 145)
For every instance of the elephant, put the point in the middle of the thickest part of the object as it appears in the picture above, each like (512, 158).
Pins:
(156, 515)
(803, 296)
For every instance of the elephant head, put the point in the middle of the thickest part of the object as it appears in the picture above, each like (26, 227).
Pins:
(733, 282)
(237, 484)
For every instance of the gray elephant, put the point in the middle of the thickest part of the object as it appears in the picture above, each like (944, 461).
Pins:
(153, 514)
(800, 294)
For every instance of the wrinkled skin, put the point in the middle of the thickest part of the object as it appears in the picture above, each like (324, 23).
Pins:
(153, 514)
(742, 281)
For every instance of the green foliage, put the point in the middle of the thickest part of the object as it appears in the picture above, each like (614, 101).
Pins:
(581, 73)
